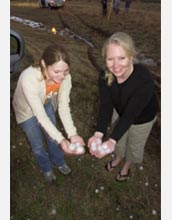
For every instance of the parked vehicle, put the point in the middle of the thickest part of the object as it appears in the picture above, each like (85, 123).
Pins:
(17, 47)
(51, 3)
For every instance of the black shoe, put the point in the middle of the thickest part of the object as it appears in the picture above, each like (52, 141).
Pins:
(64, 169)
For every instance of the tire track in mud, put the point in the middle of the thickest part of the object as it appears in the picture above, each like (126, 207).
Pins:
(91, 28)
(90, 50)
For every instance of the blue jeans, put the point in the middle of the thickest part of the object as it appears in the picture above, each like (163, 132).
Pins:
(34, 133)
(116, 4)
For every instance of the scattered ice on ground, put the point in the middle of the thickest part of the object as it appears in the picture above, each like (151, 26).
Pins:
(154, 212)
(40, 26)
(53, 211)
(148, 61)
(28, 22)
(145, 60)
(140, 168)
(146, 184)
(79, 159)
(96, 191)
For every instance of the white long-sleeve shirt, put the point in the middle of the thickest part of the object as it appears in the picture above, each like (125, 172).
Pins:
(29, 98)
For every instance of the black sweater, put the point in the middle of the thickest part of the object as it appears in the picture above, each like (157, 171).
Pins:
(134, 101)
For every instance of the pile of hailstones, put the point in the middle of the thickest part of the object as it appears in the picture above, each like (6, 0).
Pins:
(76, 147)
(99, 147)
(96, 146)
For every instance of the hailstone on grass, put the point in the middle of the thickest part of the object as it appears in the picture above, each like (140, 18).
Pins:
(96, 191)
(154, 212)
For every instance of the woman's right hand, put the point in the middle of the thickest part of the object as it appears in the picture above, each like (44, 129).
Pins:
(91, 142)
(94, 138)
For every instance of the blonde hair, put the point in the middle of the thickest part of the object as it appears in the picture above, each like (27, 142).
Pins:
(109, 77)
(126, 42)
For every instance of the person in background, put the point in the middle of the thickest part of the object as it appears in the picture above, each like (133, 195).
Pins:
(43, 88)
(127, 5)
(104, 7)
(116, 4)
(127, 96)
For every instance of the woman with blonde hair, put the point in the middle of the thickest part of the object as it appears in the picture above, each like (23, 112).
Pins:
(42, 89)
(127, 97)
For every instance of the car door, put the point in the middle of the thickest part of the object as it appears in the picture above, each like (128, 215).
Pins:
(17, 47)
